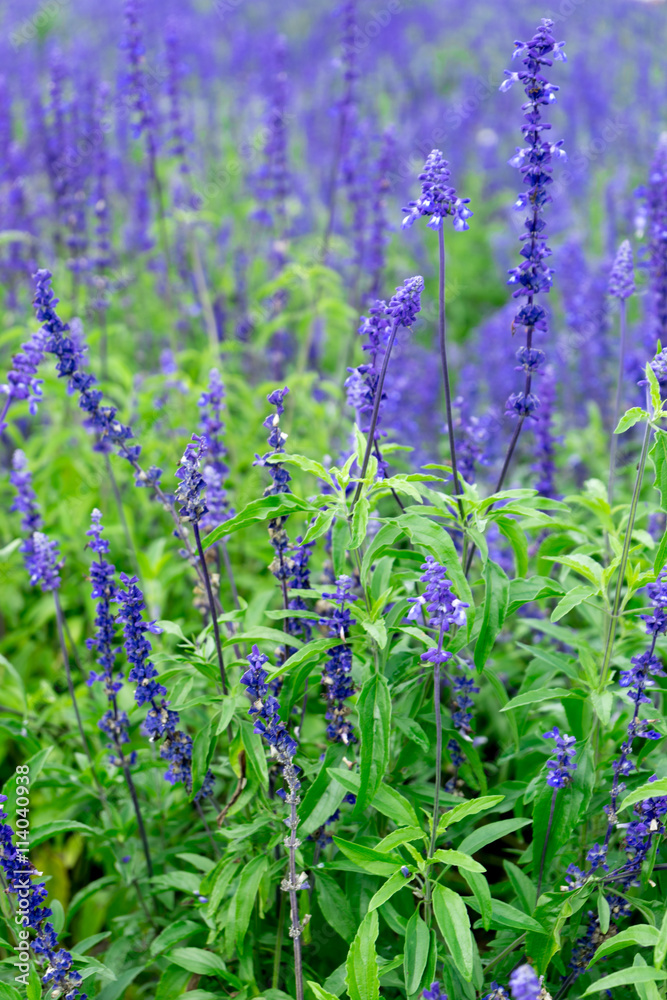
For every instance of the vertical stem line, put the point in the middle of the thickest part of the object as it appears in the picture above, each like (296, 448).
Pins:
(438, 766)
(613, 620)
(442, 337)
(617, 402)
(70, 685)
(212, 607)
(546, 844)
(295, 930)
(374, 415)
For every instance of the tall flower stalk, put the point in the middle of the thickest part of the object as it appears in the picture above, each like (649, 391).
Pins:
(444, 609)
(114, 723)
(264, 709)
(532, 277)
(402, 311)
(621, 287)
(193, 507)
(437, 201)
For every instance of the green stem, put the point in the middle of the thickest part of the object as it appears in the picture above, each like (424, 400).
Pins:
(613, 620)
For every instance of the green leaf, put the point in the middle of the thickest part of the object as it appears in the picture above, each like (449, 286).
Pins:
(517, 539)
(320, 994)
(660, 950)
(454, 923)
(604, 912)
(410, 728)
(482, 894)
(415, 952)
(652, 789)
(387, 800)
(374, 862)
(524, 591)
(661, 555)
(320, 525)
(469, 808)
(582, 564)
(394, 884)
(658, 455)
(630, 418)
(627, 977)
(254, 752)
(490, 833)
(261, 634)
(8, 992)
(362, 979)
(324, 795)
(116, 989)
(244, 899)
(171, 934)
(383, 540)
(495, 607)
(654, 387)
(335, 905)
(572, 599)
(642, 935)
(535, 696)
(49, 830)
(505, 915)
(459, 859)
(200, 961)
(305, 464)
(182, 881)
(359, 522)
(311, 652)
(203, 746)
(34, 988)
(271, 507)
(374, 710)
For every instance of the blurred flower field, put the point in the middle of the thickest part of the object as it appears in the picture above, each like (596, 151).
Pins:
(333, 537)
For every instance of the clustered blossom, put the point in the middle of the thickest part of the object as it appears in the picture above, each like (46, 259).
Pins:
(41, 554)
(405, 303)
(472, 437)
(497, 992)
(105, 593)
(524, 984)
(363, 381)
(622, 277)
(655, 207)
(59, 975)
(559, 771)
(110, 433)
(337, 683)
(438, 198)
(191, 483)
(272, 178)
(434, 992)
(281, 565)
(463, 687)
(22, 381)
(533, 277)
(161, 721)
(215, 470)
(283, 747)
(439, 600)
(133, 43)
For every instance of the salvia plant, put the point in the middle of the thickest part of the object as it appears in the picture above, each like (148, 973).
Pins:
(333, 555)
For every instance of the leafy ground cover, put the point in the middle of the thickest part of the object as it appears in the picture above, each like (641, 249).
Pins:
(333, 561)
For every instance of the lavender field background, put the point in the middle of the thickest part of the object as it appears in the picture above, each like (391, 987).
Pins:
(333, 549)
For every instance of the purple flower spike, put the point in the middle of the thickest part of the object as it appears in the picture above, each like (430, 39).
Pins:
(438, 199)
(434, 992)
(524, 984)
(405, 304)
(560, 775)
(622, 278)
(533, 277)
